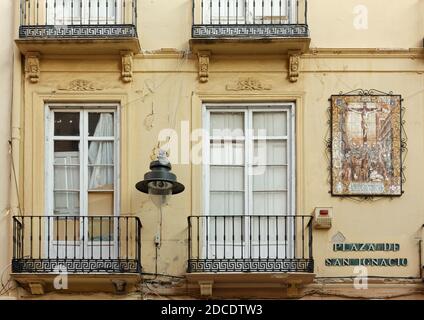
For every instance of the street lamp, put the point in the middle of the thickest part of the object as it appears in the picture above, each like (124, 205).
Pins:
(160, 181)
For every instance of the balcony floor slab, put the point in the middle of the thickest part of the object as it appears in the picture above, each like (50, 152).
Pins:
(78, 282)
(249, 284)
(243, 46)
(79, 46)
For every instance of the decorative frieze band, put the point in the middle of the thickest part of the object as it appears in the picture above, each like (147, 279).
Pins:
(78, 31)
(237, 31)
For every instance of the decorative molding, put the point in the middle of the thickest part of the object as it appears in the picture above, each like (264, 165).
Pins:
(127, 66)
(248, 84)
(294, 65)
(204, 57)
(364, 53)
(32, 66)
(206, 288)
(81, 85)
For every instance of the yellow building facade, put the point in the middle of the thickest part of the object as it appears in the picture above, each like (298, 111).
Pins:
(100, 86)
(6, 78)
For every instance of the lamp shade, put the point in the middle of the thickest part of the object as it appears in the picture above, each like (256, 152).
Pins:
(160, 180)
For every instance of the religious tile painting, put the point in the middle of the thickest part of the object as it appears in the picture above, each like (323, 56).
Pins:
(366, 145)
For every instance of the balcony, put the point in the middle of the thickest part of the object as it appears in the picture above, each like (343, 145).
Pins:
(99, 248)
(250, 249)
(249, 26)
(78, 26)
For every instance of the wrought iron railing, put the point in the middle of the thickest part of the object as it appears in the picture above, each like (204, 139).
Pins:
(250, 18)
(78, 19)
(76, 244)
(249, 243)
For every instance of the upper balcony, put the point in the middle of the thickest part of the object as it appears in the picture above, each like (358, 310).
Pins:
(78, 26)
(250, 26)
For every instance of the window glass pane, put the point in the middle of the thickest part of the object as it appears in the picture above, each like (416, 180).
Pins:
(270, 123)
(270, 178)
(227, 178)
(66, 152)
(66, 203)
(271, 11)
(273, 245)
(270, 152)
(66, 12)
(100, 178)
(224, 11)
(227, 152)
(105, 13)
(269, 203)
(66, 165)
(227, 124)
(100, 152)
(66, 123)
(100, 124)
(226, 203)
(100, 165)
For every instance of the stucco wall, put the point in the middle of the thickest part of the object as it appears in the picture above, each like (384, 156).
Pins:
(390, 24)
(6, 60)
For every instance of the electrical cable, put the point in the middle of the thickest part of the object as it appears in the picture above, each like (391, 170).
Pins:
(161, 275)
(15, 178)
(4, 290)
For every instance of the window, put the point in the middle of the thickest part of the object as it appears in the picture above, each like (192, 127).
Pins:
(72, 12)
(81, 173)
(249, 11)
(249, 175)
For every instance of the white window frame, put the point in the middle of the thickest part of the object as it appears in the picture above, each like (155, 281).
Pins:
(83, 109)
(249, 108)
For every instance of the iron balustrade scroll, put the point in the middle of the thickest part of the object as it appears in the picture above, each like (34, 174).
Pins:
(250, 18)
(77, 244)
(250, 243)
(78, 19)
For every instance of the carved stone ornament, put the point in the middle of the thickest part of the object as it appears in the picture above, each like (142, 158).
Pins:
(248, 84)
(80, 85)
(32, 66)
(204, 66)
(294, 65)
(127, 66)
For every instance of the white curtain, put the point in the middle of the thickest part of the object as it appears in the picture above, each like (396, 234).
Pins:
(100, 154)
